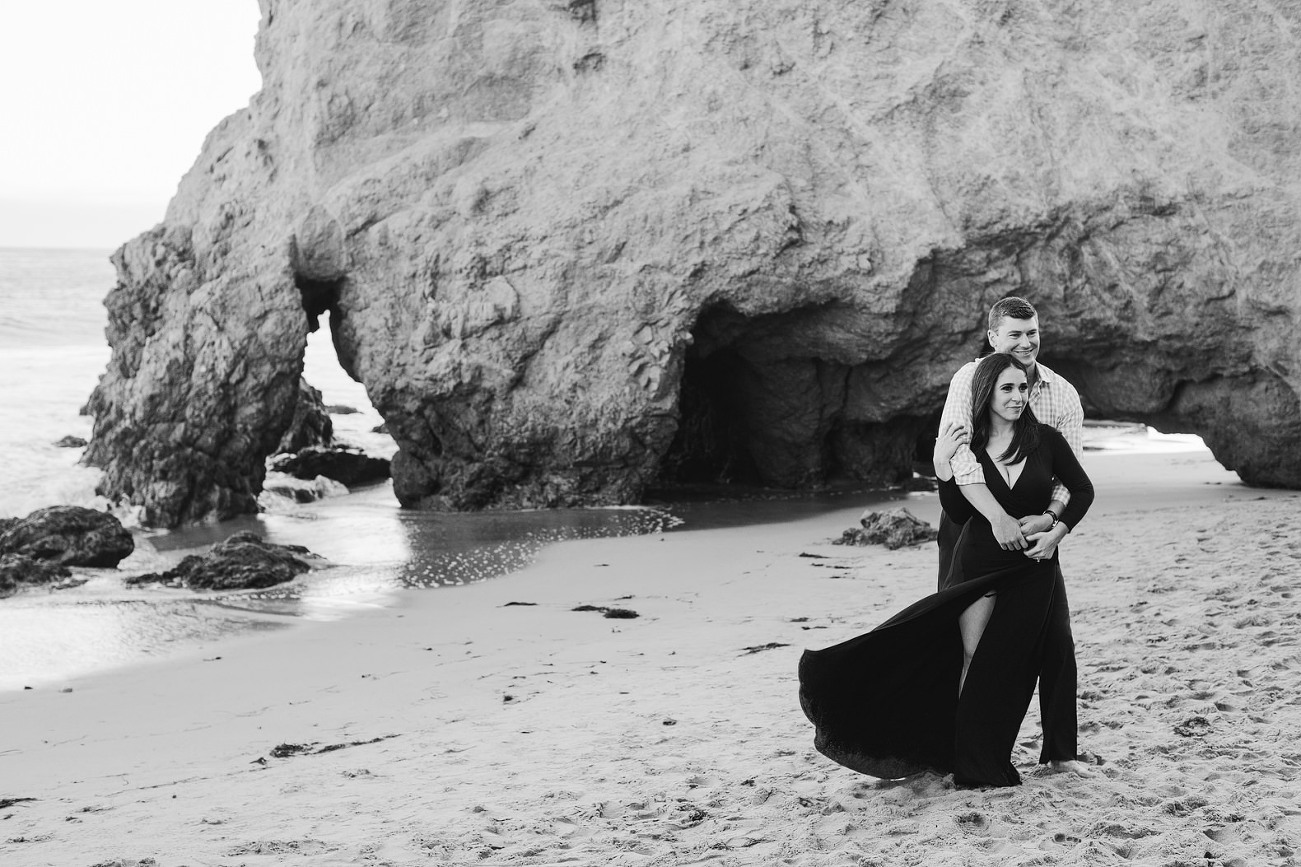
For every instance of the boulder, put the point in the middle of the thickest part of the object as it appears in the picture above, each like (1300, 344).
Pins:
(69, 535)
(572, 250)
(71, 442)
(346, 465)
(242, 561)
(893, 528)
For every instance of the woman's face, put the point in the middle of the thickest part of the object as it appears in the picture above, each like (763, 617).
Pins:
(1010, 394)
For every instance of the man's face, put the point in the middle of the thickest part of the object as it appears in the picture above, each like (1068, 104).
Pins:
(1017, 337)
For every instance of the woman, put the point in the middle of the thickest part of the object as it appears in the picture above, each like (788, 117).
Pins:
(945, 683)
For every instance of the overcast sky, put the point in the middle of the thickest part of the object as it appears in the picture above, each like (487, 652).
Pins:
(104, 105)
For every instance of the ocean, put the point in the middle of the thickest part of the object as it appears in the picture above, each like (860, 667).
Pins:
(52, 352)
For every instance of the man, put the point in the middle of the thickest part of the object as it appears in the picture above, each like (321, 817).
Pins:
(1013, 327)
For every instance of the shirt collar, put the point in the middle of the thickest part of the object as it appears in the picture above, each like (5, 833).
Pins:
(1046, 374)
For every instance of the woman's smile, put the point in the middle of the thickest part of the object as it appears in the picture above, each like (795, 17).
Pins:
(1010, 395)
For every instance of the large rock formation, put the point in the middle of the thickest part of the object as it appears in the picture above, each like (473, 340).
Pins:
(575, 247)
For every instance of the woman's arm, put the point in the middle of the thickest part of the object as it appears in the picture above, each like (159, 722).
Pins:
(1067, 469)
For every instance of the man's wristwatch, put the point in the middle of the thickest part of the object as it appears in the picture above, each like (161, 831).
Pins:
(1050, 513)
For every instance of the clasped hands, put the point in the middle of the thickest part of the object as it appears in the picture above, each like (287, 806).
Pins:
(1034, 535)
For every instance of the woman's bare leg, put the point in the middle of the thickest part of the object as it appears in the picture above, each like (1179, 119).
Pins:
(972, 624)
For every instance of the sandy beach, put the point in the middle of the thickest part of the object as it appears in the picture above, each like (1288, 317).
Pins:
(493, 724)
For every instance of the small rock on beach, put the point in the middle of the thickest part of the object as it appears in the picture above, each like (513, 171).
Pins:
(893, 528)
(243, 561)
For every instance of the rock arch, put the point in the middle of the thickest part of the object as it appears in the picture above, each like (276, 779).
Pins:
(518, 247)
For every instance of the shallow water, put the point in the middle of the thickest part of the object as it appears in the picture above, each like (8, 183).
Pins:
(377, 551)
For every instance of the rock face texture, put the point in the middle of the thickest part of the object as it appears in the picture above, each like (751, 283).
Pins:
(68, 536)
(311, 426)
(576, 248)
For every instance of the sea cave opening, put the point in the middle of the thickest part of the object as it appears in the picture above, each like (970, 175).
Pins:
(326, 368)
(356, 421)
(711, 446)
(337, 440)
(759, 408)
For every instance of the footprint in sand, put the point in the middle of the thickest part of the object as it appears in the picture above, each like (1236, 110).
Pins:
(1194, 727)
(1184, 806)
(1121, 829)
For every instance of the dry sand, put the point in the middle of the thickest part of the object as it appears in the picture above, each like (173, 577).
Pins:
(460, 729)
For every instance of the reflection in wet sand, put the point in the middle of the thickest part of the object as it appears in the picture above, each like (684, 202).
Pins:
(452, 549)
(50, 638)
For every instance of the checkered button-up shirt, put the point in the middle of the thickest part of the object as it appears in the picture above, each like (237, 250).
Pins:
(1054, 401)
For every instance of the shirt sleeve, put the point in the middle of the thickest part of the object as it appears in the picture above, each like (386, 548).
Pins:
(955, 505)
(1066, 467)
(957, 408)
(1070, 424)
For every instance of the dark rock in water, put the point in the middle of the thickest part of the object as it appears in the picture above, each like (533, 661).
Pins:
(346, 465)
(893, 528)
(303, 490)
(554, 297)
(18, 570)
(311, 424)
(342, 409)
(71, 535)
(243, 561)
(71, 442)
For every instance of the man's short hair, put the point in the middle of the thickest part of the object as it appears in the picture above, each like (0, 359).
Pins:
(1010, 308)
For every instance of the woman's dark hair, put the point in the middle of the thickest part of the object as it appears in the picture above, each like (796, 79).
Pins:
(1025, 430)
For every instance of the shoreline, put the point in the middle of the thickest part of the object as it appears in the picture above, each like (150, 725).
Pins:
(376, 553)
(385, 553)
(462, 728)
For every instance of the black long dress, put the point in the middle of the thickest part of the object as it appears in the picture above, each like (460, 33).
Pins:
(886, 703)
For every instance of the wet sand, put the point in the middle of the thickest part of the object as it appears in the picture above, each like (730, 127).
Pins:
(459, 728)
